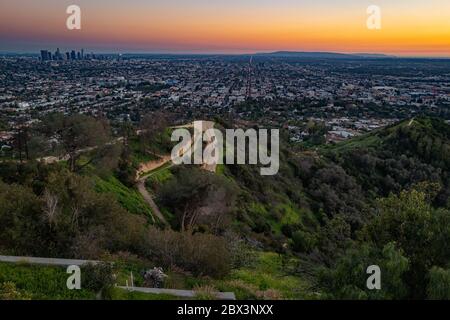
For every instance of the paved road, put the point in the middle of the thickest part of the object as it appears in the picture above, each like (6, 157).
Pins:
(76, 262)
(180, 293)
(47, 261)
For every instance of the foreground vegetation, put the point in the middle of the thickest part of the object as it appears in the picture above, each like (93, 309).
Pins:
(309, 232)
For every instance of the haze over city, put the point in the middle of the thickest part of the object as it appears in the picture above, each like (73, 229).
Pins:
(409, 28)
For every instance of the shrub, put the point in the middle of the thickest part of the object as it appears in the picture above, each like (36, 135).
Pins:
(439, 285)
(269, 294)
(303, 241)
(241, 254)
(8, 291)
(241, 289)
(201, 254)
(98, 278)
(205, 293)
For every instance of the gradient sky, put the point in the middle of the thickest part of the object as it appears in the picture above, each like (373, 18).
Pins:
(409, 27)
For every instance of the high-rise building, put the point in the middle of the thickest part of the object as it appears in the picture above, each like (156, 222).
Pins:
(45, 55)
(73, 55)
(58, 55)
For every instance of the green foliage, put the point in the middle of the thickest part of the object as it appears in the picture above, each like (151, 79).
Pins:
(98, 278)
(69, 219)
(205, 292)
(403, 155)
(129, 198)
(408, 239)
(418, 230)
(78, 135)
(138, 153)
(321, 207)
(266, 279)
(125, 171)
(160, 176)
(317, 132)
(39, 282)
(303, 241)
(199, 199)
(439, 285)
(20, 220)
(241, 253)
(347, 279)
(200, 254)
(122, 294)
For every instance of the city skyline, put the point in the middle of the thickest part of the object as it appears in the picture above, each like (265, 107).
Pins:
(409, 28)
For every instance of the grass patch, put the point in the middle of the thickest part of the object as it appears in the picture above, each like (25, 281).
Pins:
(265, 280)
(41, 282)
(158, 174)
(290, 214)
(369, 140)
(130, 199)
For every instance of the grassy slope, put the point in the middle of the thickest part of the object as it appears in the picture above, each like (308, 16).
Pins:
(412, 129)
(129, 198)
(265, 280)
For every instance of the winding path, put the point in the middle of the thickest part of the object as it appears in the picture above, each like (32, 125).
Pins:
(152, 167)
(149, 199)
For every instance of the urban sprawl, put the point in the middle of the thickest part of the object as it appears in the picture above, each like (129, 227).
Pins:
(349, 97)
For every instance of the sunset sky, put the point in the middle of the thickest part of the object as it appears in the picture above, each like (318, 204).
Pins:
(409, 27)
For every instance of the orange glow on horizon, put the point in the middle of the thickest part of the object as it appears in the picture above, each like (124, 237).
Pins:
(418, 30)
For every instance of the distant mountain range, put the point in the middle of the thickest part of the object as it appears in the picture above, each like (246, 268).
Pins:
(276, 54)
(322, 55)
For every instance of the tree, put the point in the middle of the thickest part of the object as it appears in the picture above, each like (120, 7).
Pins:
(419, 230)
(78, 135)
(127, 131)
(20, 142)
(198, 197)
(347, 279)
(21, 226)
(125, 171)
(317, 132)
(150, 128)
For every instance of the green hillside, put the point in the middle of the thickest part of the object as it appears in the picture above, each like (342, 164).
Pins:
(308, 232)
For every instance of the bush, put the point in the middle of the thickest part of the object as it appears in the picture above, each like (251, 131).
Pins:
(205, 293)
(242, 290)
(289, 229)
(98, 278)
(303, 241)
(201, 254)
(241, 254)
(347, 279)
(439, 285)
